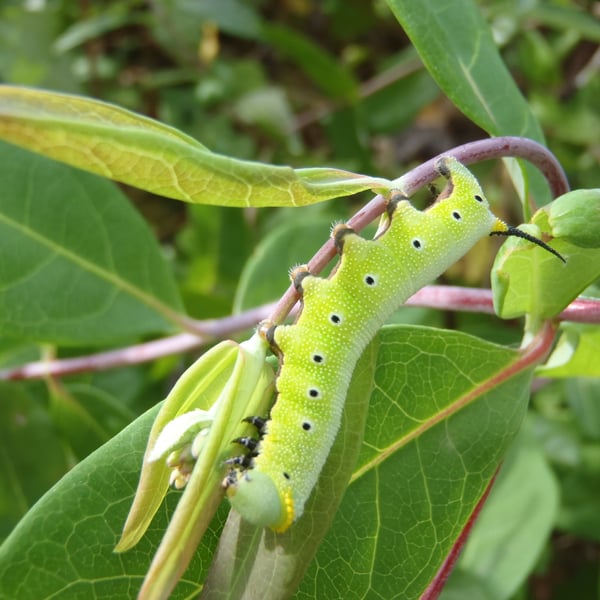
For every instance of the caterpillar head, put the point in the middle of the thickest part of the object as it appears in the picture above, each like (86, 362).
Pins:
(467, 207)
(255, 495)
(463, 206)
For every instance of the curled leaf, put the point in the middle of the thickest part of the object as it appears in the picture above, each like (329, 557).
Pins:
(528, 280)
(127, 147)
(574, 217)
(181, 431)
(247, 391)
(199, 387)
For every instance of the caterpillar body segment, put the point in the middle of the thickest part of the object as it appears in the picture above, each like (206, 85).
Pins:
(339, 317)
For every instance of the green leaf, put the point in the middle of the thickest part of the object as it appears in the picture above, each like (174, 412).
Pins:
(576, 353)
(417, 481)
(526, 279)
(64, 546)
(127, 147)
(234, 17)
(582, 397)
(432, 445)
(555, 429)
(581, 484)
(569, 18)
(79, 265)
(269, 109)
(463, 585)
(86, 416)
(573, 217)
(383, 112)
(327, 71)
(32, 456)
(456, 45)
(345, 130)
(89, 29)
(509, 537)
(265, 274)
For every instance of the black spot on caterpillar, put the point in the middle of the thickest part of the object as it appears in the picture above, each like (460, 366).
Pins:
(339, 317)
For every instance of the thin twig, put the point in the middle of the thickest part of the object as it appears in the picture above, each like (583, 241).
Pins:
(477, 300)
(139, 353)
(440, 297)
(373, 85)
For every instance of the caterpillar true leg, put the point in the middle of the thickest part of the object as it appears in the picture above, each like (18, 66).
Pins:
(339, 317)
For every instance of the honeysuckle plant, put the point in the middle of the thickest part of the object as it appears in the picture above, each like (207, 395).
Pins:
(191, 436)
(413, 464)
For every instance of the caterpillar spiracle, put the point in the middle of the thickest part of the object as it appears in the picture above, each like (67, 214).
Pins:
(340, 315)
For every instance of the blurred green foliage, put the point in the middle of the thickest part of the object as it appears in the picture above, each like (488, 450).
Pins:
(306, 83)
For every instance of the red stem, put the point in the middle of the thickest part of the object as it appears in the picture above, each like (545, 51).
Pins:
(463, 299)
(208, 330)
(437, 585)
(583, 310)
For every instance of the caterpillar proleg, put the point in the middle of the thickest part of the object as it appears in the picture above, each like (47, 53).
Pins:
(340, 315)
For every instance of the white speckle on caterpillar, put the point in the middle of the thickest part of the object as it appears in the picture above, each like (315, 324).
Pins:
(340, 315)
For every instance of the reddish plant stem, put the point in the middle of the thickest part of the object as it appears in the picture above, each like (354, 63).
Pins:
(456, 298)
(437, 585)
(446, 297)
(499, 147)
(583, 310)
(139, 353)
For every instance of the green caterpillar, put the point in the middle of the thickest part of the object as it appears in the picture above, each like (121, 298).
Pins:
(340, 315)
